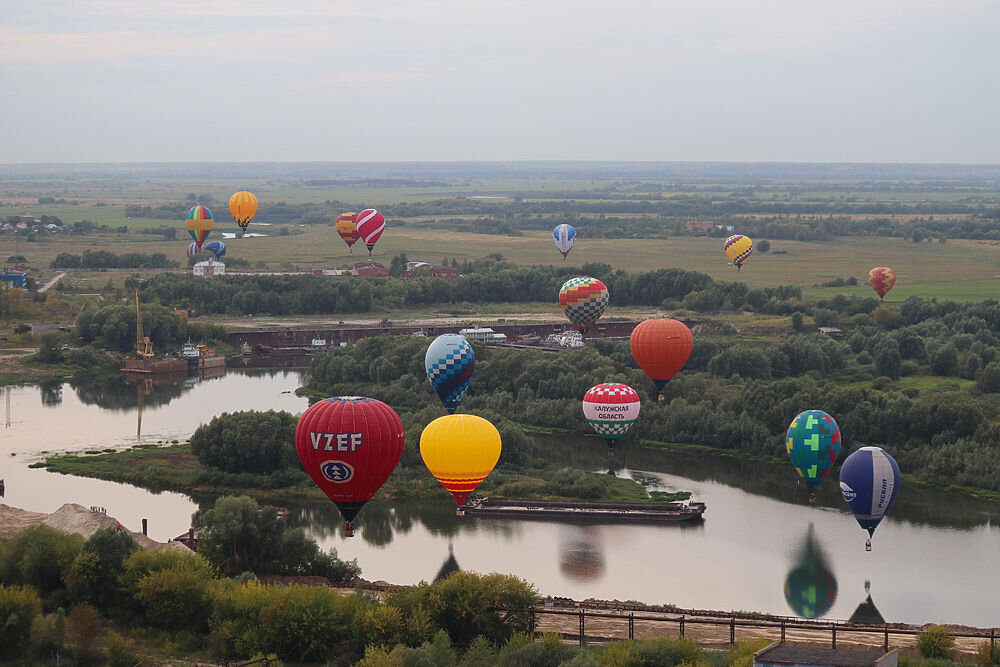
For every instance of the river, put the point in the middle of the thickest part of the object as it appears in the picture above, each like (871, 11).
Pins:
(761, 547)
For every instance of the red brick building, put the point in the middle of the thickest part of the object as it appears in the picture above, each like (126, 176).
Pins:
(370, 268)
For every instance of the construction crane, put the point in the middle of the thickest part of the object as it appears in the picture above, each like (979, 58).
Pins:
(143, 346)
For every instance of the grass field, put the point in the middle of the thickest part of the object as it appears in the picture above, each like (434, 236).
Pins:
(948, 271)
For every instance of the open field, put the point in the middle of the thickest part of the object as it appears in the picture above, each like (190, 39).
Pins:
(952, 270)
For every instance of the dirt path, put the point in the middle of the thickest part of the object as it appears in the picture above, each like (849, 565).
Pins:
(12, 364)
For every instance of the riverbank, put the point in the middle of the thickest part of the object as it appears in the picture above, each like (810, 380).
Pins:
(176, 468)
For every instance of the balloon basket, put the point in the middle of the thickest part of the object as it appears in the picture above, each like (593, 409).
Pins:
(348, 530)
(812, 498)
(868, 545)
(459, 512)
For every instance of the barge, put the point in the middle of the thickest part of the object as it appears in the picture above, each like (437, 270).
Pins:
(585, 511)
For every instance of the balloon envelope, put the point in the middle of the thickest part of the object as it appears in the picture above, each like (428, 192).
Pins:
(881, 278)
(610, 409)
(193, 249)
(370, 224)
(217, 248)
(813, 443)
(564, 236)
(199, 223)
(460, 451)
(584, 300)
(738, 249)
(349, 445)
(661, 347)
(869, 480)
(243, 207)
(449, 363)
(347, 228)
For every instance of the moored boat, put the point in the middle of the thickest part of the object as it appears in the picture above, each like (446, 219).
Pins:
(585, 511)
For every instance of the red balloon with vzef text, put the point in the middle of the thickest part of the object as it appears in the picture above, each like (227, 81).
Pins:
(349, 445)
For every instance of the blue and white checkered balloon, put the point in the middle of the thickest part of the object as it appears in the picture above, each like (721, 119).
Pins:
(449, 363)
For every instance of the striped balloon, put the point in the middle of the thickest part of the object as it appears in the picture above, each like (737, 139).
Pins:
(193, 249)
(869, 480)
(584, 300)
(199, 223)
(610, 409)
(348, 229)
(370, 225)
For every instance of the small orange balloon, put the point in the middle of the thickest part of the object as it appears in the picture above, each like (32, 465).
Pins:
(661, 347)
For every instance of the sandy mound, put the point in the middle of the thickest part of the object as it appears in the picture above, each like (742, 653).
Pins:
(14, 520)
(72, 518)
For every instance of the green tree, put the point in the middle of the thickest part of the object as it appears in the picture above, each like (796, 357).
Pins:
(250, 441)
(797, 321)
(19, 605)
(38, 556)
(988, 379)
(944, 361)
(764, 246)
(111, 547)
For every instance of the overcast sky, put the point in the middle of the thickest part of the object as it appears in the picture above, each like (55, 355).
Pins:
(329, 80)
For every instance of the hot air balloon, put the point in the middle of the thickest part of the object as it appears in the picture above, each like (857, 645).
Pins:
(217, 248)
(348, 230)
(611, 408)
(460, 451)
(584, 300)
(813, 443)
(199, 223)
(661, 347)
(349, 445)
(449, 363)
(243, 206)
(370, 224)
(564, 236)
(738, 249)
(869, 480)
(881, 278)
(193, 249)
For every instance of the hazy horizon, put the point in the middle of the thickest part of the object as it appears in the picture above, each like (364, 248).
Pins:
(128, 81)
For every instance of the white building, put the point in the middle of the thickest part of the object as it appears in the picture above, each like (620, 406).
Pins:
(209, 268)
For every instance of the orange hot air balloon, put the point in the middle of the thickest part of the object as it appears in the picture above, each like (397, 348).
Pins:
(243, 207)
(881, 278)
(661, 347)
(348, 230)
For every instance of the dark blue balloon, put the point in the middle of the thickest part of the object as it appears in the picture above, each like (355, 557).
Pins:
(449, 363)
(869, 480)
(217, 248)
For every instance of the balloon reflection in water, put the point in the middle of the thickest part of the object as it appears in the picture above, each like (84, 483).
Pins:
(810, 587)
(450, 565)
(580, 555)
(867, 613)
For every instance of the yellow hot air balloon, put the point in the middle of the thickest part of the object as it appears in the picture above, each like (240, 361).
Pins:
(738, 249)
(243, 206)
(460, 451)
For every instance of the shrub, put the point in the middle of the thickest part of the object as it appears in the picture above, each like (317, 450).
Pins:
(120, 653)
(83, 630)
(177, 598)
(936, 642)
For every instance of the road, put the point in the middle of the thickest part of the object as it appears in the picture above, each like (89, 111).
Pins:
(46, 286)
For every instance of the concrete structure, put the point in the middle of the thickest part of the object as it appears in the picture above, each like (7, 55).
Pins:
(784, 655)
(209, 268)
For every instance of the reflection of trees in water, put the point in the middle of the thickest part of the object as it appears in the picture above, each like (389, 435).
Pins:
(771, 480)
(581, 557)
(379, 522)
(810, 587)
(51, 391)
(116, 392)
(867, 613)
